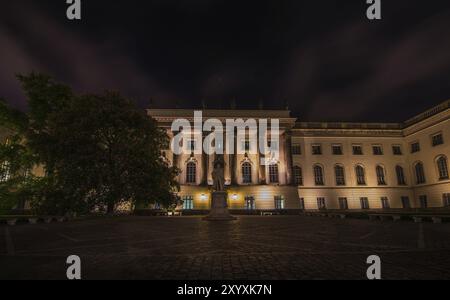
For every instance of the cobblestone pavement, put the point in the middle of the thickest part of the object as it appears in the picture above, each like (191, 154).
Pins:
(260, 248)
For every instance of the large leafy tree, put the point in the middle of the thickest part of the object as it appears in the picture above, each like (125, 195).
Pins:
(16, 160)
(98, 150)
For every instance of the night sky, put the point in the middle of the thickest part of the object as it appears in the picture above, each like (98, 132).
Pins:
(324, 58)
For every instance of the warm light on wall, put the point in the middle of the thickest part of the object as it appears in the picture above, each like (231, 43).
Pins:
(234, 197)
(203, 197)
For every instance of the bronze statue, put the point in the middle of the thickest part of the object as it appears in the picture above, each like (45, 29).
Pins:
(218, 174)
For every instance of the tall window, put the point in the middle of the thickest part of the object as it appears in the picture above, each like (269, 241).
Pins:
(340, 175)
(420, 173)
(318, 175)
(250, 203)
(302, 203)
(317, 149)
(442, 168)
(343, 203)
(321, 203)
(415, 147)
(273, 173)
(297, 149)
(279, 202)
(191, 172)
(188, 202)
(406, 203)
(437, 139)
(298, 175)
(246, 173)
(377, 150)
(357, 150)
(381, 177)
(423, 201)
(360, 175)
(385, 203)
(446, 199)
(364, 203)
(4, 171)
(401, 179)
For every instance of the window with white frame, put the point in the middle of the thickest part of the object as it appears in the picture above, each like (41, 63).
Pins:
(420, 173)
(437, 139)
(442, 167)
(247, 173)
(381, 176)
(191, 172)
(296, 149)
(298, 175)
(364, 203)
(340, 175)
(446, 199)
(360, 175)
(401, 179)
(274, 173)
(321, 203)
(385, 204)
(343, 203)
(318, 175)
(188, 203)
(279, 202)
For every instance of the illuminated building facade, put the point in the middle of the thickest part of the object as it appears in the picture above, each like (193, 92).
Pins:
(324, 165)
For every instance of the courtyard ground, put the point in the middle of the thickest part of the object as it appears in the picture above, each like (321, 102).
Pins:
(252, 247)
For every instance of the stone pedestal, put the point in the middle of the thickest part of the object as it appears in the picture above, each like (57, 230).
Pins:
(219, 208)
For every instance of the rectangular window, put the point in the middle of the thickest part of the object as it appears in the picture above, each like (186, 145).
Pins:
(279, 202)
(296, 150)
(406, 204)
(423, 201)
(437, 139)
(446, 199)
(316, 149)
(337, 150)
(377, 150)
(188, 203)
(385, 203)
(321, 203)
(364, 203)
(250, 203)
(357, 150)
(343, 203)
(302, 203)
(415, 147)
(397, 150)
(5, 171)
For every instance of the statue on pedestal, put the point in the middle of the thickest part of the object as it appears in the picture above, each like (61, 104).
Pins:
(219, 200)
(218, 174)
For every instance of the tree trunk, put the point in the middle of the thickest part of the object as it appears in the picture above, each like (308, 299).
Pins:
(110, 208)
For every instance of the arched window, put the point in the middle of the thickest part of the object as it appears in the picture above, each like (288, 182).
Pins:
(420, 173)
(273, 173)
(191, 172)
(318, 175)
(340, 175)
(298, 175)
(442, 168)
(246, 173)
(381, 177)
(401, 179)
(360, 175)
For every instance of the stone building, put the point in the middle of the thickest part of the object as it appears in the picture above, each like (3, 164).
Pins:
(324, 165)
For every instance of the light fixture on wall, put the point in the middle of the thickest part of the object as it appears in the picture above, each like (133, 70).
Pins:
(234, 197)
(203, 197)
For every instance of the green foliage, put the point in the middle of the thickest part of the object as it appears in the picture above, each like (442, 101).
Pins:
(98, 151)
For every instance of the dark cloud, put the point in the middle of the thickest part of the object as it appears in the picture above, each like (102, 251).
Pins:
(326, 59)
